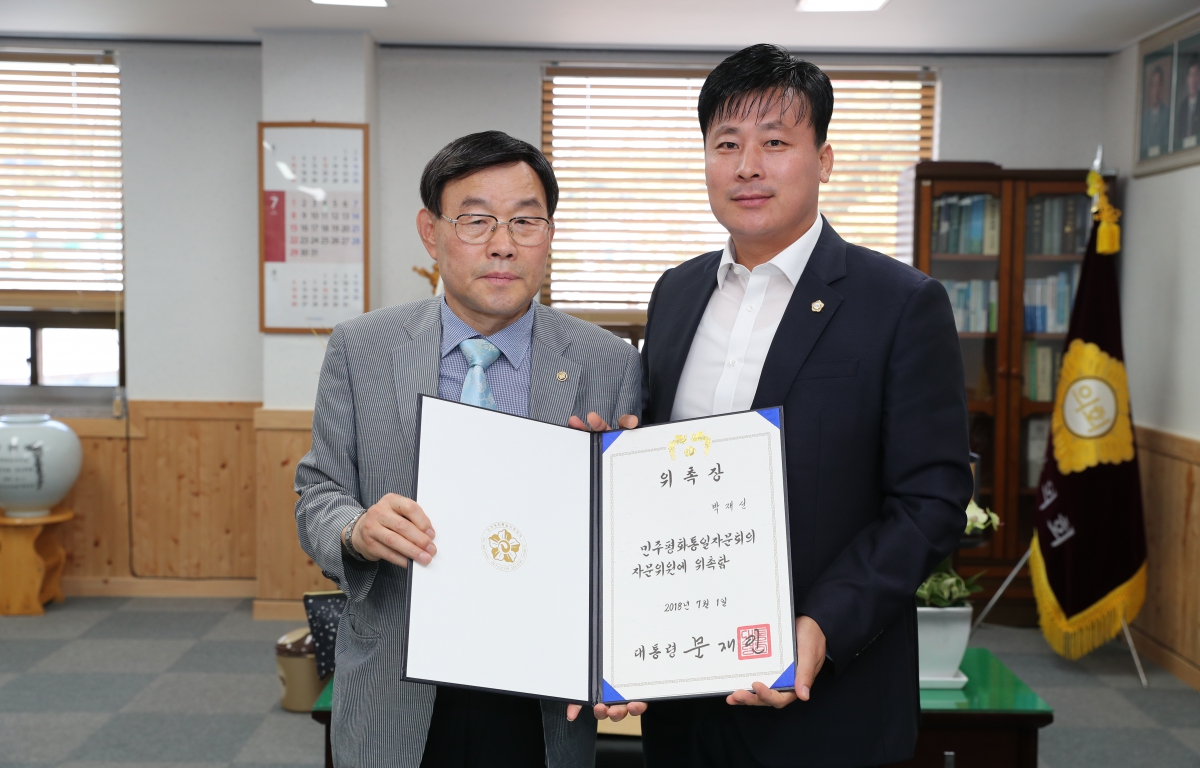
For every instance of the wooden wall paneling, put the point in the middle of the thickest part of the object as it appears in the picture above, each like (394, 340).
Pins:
(1150, 648)
(192, 489)
(1170, 470)
(284, 571)
(97, 539)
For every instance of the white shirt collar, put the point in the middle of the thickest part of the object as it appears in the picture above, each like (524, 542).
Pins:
(789, 262)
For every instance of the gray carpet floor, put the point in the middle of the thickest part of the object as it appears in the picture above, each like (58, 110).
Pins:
(191, 683)
(1102, 715)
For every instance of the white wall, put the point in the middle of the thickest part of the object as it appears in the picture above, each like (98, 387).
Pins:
(191, 221)
(426, 99)
(329, 77)
(1022, 112)
(1160, 270)
(1042, 112)
(190, 115)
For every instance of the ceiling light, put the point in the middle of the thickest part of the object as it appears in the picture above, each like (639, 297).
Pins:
(367, 3)
(825, 6)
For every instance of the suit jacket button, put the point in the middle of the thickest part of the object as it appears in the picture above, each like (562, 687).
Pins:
(562, 375)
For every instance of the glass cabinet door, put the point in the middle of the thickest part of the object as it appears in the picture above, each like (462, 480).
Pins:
(966, 231)
(1057, 222)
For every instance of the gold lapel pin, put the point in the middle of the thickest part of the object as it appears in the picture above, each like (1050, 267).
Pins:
(562, 375)
(818, 305)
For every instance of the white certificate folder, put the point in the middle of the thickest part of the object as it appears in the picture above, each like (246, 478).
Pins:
(601, 567)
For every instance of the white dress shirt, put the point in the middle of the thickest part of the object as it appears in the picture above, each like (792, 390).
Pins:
(731, 344)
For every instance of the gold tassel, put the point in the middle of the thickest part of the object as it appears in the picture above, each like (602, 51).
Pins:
(1108, 236)
(1108, 239)
(1076, 636)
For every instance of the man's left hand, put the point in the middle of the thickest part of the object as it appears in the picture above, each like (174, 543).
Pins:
(597, 424)
(614, 712)
(810, 657)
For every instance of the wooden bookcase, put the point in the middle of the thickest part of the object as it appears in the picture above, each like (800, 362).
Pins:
(1002, 349)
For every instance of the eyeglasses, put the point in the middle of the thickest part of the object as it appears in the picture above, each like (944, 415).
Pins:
(476, 228)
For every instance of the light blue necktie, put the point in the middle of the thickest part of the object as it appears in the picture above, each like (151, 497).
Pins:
(480, 353)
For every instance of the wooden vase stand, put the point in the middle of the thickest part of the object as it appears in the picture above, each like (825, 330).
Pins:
(31, 563)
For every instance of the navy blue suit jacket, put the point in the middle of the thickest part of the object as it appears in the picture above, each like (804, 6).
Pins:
(878, 479)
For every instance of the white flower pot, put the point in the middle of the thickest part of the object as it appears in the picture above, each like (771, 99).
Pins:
(39, 461)
(942, 635)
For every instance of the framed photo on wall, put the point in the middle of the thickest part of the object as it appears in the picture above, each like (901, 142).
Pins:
(1186, 133)
(1168, 119)
(313, 225)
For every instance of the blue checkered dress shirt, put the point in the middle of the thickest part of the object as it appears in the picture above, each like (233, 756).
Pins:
(508, 376)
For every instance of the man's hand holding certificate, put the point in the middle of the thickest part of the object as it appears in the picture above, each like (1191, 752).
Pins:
(626, 566)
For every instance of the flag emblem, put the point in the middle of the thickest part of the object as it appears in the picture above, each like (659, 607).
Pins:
(1091, 424)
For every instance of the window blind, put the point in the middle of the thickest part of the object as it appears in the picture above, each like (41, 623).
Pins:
(627, 150)
(60, 179)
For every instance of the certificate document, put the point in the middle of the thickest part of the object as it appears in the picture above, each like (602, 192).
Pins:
(630, 565)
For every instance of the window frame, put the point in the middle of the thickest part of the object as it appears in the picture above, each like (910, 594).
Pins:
(35, 320)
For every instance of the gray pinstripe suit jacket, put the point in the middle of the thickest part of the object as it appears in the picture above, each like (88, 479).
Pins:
(364, 434)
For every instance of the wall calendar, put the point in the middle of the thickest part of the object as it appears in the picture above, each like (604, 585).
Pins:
(313, 225)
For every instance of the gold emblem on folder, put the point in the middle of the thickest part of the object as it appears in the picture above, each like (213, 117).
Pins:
(689, 450)
(504, 546)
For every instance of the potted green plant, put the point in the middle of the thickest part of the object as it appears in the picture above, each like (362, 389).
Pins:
(944, 613)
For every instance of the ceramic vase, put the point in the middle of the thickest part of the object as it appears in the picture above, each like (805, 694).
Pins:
(942, 635)
(39, 462)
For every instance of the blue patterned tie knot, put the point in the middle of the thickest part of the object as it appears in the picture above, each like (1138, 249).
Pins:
(480, 353)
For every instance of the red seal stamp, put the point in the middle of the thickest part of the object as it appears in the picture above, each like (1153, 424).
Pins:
(754, 642)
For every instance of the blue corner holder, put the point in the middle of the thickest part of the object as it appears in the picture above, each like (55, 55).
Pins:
(771, 415)
(608, 438)
(608, 694)
(787, 679)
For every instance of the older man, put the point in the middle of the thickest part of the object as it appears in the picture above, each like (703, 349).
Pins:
(487, 220)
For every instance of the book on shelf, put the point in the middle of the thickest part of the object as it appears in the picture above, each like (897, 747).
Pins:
(1041, 364)
(974, 303)
(1068, 229)
(1057, 225)
(991, 226)
(1048, 301)
(1033, 225)
(966, 224)
(1052, 232)
(993, 305)
(975, 241)
(1044, 373)
(1037, 435)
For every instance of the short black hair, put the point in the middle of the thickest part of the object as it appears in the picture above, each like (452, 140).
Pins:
(762, 77)
(477, 151)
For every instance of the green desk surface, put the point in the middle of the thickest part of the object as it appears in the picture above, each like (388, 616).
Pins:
(991, 687)
(324, 702)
